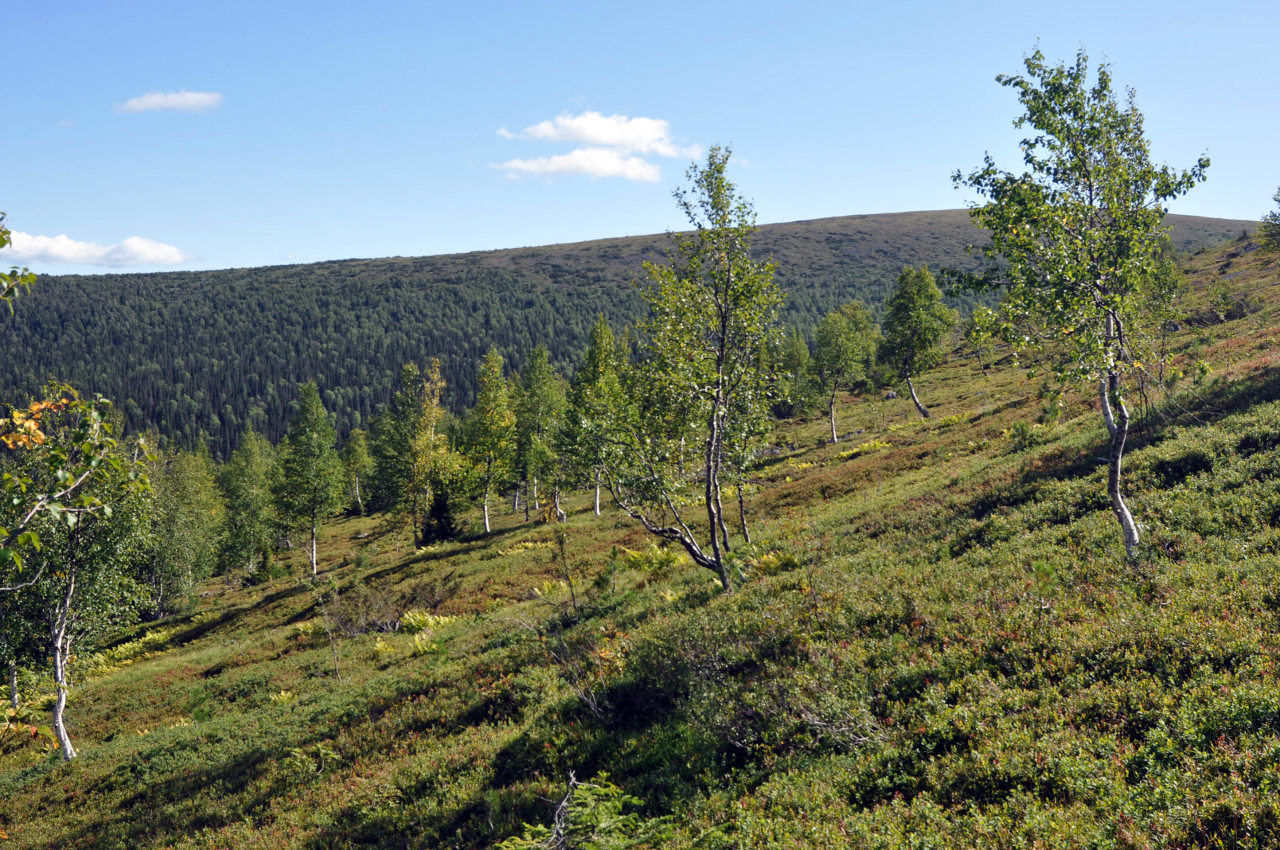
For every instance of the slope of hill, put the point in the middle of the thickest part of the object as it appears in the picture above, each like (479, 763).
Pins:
(937, 643)
(213, 352)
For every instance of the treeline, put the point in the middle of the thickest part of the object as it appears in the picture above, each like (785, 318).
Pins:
(202, 357)
(100, 531)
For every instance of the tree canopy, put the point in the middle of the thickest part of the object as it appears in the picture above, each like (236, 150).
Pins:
(1079, 235)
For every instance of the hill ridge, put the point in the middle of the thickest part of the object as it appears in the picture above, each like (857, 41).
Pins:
(213, 352)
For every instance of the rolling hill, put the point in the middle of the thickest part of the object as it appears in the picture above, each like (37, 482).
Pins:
(209, 353)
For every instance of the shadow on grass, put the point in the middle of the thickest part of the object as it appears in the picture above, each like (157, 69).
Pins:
(1219, 401)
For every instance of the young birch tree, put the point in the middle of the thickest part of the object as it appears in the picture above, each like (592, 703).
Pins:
(539, 410)
(358, 463)
(310, 485)
(844, 346)
(248, 532)
(595, 394)
(438, 475)
(713, 315)
(915, 322)
(490, 428)
(84, 576)
(1080, 233)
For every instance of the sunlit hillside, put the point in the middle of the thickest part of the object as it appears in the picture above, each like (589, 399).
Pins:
(936, 642)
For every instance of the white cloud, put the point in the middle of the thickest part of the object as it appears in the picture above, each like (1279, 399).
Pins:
(612, 146)
(593, 162)
(626, 135)
(173, 101)
(134, 251)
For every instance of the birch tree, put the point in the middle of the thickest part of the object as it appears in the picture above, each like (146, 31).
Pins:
(189, 511)
(844, 346)
(310, 486)
(87, 575)
(248, 531)
(595, 394)
(437, 473)
(490, 428)
(1079, 235)
(539, 410)
(915, 322)
(713, 311)
(358, 463)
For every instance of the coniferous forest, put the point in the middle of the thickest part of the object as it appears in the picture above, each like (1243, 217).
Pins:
(201, 356)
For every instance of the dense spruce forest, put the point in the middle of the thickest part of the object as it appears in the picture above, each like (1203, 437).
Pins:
(206, 354)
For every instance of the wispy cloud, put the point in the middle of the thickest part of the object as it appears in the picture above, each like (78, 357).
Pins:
(614, 146)
(134, 251)
(593, 162)
(627, 135)
(172, 101)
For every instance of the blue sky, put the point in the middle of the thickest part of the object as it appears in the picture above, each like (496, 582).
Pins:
(279, 132)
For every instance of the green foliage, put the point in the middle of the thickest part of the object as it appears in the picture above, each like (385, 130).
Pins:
(1269, 229)
(393, 432)
(250, 524)
(1081, 233)
(539, 415)
(15, 278)
(915, 322)
(798, 391)
(593, 816)
(440, 477)
(844, 347)
(189, 516)
(64, 448)
(489, 430)
(358, 464)
(309, 487)
(594, 398)
(702, 378)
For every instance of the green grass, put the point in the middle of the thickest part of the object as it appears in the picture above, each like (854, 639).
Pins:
(936, 643)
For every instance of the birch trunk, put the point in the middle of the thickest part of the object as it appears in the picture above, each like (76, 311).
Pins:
(1119, 432)
(487, 529)
(712, 497)
(834, 437)
(13, 684)
(924, 411)
(597, 492)
(314, 570)
(61, 641)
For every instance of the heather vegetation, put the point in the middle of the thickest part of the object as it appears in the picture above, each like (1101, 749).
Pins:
(718, 586)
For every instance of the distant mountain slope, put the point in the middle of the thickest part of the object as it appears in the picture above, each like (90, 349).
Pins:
(214, 351)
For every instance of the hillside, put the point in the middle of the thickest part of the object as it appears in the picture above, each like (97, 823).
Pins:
(211, 352)
(937, 643)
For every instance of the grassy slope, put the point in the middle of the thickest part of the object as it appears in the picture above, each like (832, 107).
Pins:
(950, 653)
